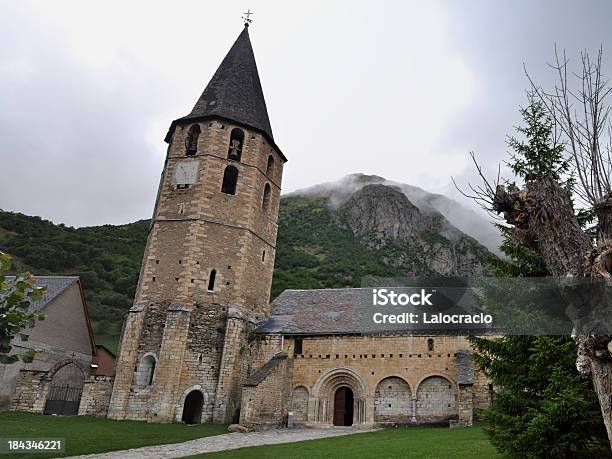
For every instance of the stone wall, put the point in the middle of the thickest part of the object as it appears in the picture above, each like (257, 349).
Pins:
(31, 391)
(465, 407)
(299, 404)
(96, 396)
(424, 384)
(265, 396)
(33, 380)
(436, 400)
(393, 401)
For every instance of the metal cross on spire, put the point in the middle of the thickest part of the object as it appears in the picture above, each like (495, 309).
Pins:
(246, 17)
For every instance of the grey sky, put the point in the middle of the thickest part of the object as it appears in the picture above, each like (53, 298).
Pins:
(401, 89)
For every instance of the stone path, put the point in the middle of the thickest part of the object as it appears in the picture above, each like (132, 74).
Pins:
(228, 441)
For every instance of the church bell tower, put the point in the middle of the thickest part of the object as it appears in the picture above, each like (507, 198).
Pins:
(207, 269)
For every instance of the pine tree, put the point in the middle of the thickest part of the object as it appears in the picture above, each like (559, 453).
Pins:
(541, 407)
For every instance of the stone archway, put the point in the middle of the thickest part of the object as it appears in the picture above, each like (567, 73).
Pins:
(324, 396)
(65, 388)
(393, 401)
(192, 407)
(180, 404)
(436, 400)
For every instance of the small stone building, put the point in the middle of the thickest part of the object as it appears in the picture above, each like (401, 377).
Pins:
(66, 361)
(313, 359)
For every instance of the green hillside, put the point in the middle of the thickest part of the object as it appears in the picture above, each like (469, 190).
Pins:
(313, 252)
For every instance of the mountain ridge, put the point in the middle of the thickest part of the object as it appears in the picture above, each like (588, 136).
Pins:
(331, 238)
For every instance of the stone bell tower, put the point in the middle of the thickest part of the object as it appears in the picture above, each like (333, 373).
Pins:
(207, 269)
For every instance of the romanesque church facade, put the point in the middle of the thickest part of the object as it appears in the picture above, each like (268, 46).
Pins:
(202, 343)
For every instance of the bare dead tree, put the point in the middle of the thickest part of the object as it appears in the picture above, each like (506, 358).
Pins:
(582, 115)
(543, 217)
(483, 194)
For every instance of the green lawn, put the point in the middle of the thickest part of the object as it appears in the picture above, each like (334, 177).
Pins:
(412, 442)
(86, 435)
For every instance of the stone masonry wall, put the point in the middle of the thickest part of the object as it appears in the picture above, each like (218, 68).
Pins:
(393, 401)
(265, 403)
(368, 361)
(31, 391)
(436, 400)
(96, 396)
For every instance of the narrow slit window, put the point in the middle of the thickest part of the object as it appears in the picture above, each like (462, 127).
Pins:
(430, 344)
(211, 280)
(270, 166)
(265, 203)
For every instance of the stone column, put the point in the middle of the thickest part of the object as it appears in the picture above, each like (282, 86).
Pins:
(465, 406)
(126, 362)
(232, 371)
(167, 373)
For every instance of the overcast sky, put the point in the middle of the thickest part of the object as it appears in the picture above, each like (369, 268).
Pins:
(402, 89)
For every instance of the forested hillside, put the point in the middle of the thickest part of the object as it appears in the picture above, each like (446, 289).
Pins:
(318, 246)
(313, 252)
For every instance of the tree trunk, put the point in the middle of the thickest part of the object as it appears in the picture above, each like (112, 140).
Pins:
(594, 359)
(601, 372)
(604, 218)
(544, 220)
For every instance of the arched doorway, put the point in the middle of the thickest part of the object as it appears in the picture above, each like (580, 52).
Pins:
(192, 410)
(343, 407)
(65, 391)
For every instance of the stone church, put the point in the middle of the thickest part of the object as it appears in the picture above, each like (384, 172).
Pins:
(202, 343)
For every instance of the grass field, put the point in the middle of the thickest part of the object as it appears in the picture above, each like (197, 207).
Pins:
(412, 442)
(86, 435)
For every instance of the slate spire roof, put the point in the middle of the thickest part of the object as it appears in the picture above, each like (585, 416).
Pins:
(234, 92)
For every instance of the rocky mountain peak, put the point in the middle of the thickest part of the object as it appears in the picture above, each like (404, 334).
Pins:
(381, 212)
(423, 243)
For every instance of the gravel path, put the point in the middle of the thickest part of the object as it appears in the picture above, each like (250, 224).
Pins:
(228, 441)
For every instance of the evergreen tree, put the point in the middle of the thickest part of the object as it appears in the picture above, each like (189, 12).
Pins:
(541, 407)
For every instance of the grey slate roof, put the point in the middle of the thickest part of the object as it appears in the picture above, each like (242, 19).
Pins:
(338, 311)
(55, 286)
(234, 92)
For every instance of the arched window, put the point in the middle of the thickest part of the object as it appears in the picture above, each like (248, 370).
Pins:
(211, 280)
(146, 371)
(430, 344)
(191, 140)
(234, 151)
(270, 166)
(230, 178)
(266, 197)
